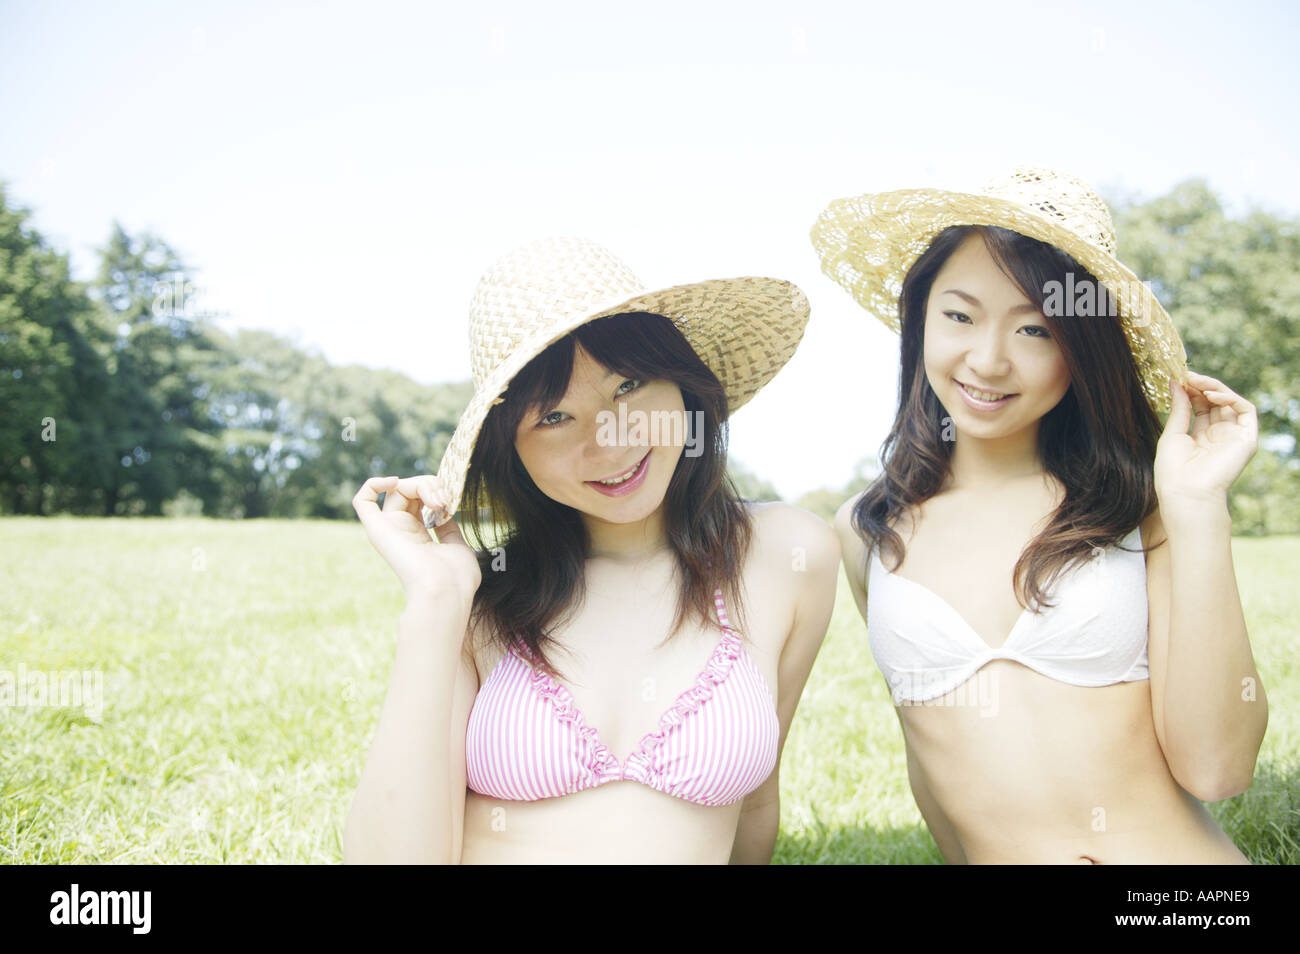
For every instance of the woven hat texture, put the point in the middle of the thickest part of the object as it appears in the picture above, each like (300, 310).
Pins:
(867, 244)
(744, 329)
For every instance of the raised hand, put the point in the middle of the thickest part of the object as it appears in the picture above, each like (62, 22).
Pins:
(1201, 465)
(421, 563)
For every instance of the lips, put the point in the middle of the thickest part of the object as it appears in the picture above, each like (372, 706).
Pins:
(626, 486)
(980, 404)
(620, 476)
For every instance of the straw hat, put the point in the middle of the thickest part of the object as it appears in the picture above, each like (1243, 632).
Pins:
(744, 329)
(868, 243)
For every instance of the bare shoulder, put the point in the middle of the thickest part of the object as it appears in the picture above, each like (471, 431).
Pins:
(785, 533)
(851, 544)
(799, 556)
(844, 516)
(854, 550)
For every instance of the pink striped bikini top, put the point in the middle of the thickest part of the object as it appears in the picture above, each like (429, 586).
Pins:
(527, 740)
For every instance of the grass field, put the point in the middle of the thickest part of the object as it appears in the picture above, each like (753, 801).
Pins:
(244, 664)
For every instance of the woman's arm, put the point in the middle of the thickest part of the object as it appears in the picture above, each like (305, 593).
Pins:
(802, 552)
(409, 807)
(760, 820)
(1208, 703)
(854, 552)
(410, 802)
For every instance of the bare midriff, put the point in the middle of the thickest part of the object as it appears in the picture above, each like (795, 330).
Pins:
(1022, 769)
(616, 823)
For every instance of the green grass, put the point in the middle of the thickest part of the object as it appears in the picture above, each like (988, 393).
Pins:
(244, 665)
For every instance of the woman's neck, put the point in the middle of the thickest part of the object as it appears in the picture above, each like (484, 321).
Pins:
(627, 542)
(978, 463)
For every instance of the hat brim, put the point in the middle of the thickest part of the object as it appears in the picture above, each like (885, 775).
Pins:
(744, 329)
(868, 243)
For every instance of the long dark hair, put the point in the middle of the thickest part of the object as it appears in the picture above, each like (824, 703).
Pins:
(545, 543)
(1099, 441)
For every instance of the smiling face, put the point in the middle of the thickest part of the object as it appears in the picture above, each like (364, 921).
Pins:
(989, 355)
(577, 455)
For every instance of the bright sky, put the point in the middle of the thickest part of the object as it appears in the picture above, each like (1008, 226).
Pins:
(342, 173)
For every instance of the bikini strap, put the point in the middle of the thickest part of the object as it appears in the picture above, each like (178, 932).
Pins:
(722, 610)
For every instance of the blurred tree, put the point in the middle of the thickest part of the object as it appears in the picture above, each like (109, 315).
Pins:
(117, 396)
(52, 378)
(825, 501)
(297, 437)
(749, 485)
(1232, 286)
(155, 426)
(376, 422)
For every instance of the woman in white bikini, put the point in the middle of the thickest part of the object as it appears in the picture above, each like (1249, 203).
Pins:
(611, 676)
(1045, 574)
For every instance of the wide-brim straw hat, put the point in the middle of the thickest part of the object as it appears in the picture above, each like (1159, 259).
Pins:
(744, 329)
(869, 242)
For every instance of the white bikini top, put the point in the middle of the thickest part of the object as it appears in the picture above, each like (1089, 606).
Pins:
(1095, 635)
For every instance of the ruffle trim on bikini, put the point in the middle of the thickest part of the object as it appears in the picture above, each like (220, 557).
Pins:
(715, 672)
(603, 761)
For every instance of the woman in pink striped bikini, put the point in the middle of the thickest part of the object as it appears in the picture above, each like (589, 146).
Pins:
(610, 673)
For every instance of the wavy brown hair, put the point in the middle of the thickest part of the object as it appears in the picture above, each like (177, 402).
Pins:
(1099, 441)
(546, 543)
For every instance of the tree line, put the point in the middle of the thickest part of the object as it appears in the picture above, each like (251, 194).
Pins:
(120, 399)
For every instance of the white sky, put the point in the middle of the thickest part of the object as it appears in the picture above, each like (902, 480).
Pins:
(344, 172)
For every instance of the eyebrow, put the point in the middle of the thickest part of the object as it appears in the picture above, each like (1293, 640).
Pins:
(1027, 308)
(611, 375)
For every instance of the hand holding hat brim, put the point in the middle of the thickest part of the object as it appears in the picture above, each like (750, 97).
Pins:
(398, 533)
